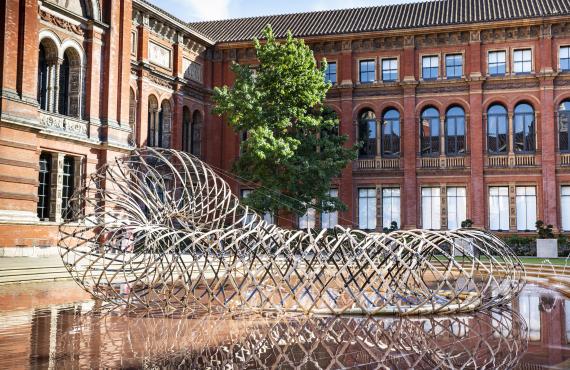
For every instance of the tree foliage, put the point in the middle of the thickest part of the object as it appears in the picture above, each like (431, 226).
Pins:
(293, 149)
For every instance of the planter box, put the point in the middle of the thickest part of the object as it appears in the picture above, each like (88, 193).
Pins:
(465, 247)
(546, 248)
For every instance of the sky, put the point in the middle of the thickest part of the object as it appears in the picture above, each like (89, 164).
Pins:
(206, 10)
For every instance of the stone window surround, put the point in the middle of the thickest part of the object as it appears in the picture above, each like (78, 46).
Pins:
(76, 95)
(56, 182)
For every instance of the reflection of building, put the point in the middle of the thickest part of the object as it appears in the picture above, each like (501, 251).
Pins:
(477, 105)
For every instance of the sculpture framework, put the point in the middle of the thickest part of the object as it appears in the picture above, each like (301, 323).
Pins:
(159, 229)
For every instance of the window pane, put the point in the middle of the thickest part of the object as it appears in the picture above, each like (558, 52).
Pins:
(431, 205)
(307, 221)
(390, 207)
(526, 207)
(499, 208)
(367, 208)
(330, 220)
(457, 207)
(565, 209)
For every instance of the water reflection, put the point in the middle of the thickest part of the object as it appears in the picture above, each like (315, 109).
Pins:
(81, 335)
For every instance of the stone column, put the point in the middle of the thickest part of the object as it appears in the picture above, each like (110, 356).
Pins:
(512, 207)
(443, 206)
(56, 187)
(55, 82)
(442, 140)
(511, 136)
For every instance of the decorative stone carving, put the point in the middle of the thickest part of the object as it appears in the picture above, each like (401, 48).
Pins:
(409, 41)
(347, 45)
(65, 124)
(475, 36)
(160, 81)
(192, 70)
(514, 33)
(159, 55)
(61, 23)
(162, 30)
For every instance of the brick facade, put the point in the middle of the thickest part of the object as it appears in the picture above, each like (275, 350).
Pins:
(132, 70)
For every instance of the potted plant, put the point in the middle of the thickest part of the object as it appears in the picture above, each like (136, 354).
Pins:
(546, 243)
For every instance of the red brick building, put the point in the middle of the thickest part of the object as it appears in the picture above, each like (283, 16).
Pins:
(463, 106)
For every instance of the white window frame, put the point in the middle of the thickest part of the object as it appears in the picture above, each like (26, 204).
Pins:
(367, 206)
(431, 207)
(505, 54)
(498, 197)
(391, 206)
(565, 208)
(526, 207)
(431, 57)
(390, 60)
(456, 206)
(330, 219)
(523, 62)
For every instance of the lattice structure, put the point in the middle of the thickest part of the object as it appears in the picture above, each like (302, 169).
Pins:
(159, 229)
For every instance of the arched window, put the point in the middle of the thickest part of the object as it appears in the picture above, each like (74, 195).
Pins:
(70, 84)
(524, 136)
(563, 121)
(497, 130)
(165, 124)
(391, 133)
(367, 134)
(186, 138)
(132, 116)
(196, 132)
(43, 79)
(154, 127)
(63, 85)
(455, 131)
(47, 84)
(429, 132)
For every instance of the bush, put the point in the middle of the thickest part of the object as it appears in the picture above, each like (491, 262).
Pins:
(521, 245)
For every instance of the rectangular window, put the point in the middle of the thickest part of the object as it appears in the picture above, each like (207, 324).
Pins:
(497, 63)
(431, 208)
(430, 67)
(390, 207)
(389, 69)
(565, 209)
(367, 71)
(565, 58)
(456, 207)
(307, 221)
(529, 309)
(499, 208)
(67, 187)
(367, 208)
(454, 66)
(522, 61)
(44, 187)
(330, 219)
(330, 72)
(526, 208)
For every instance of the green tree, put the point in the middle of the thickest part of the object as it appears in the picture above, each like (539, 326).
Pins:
(293, 148)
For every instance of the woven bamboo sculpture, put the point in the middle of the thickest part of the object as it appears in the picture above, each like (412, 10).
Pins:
(159, 229)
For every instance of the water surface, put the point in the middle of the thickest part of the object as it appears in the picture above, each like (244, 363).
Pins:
(56, 325)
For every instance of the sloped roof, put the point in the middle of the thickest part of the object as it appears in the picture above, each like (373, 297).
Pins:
(380, 18)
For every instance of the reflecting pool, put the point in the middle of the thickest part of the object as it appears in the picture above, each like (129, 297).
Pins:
(56, 325)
